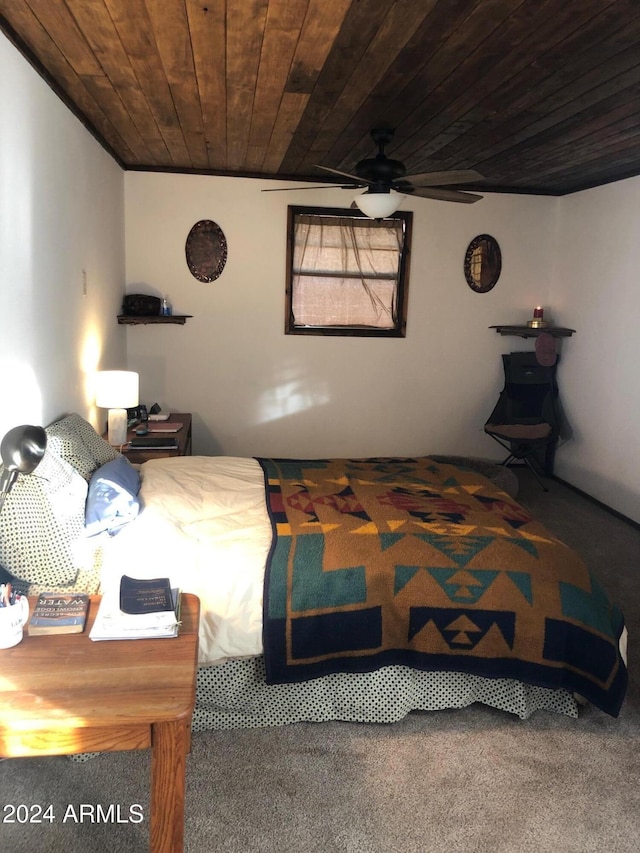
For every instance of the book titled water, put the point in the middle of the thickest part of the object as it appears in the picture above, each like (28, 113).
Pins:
(59, 613)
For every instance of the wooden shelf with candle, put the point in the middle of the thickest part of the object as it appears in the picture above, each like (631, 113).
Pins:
(535, 327)
(532, 331)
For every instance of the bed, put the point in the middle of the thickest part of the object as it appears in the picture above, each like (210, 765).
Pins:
(357, 589)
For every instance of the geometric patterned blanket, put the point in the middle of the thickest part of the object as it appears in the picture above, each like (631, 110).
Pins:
(402, 561)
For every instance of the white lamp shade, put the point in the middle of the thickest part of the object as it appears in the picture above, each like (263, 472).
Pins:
(377, 205)
(117, 389)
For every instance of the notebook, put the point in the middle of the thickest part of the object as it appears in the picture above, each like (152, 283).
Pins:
(164, 426)
(149, 442)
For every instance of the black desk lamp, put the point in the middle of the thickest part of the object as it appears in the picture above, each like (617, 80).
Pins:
(21, 450)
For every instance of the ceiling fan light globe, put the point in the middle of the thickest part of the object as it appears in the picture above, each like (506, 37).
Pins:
(379, 205)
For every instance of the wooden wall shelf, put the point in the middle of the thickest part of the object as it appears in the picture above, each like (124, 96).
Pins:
(528, 332)
(128, 320)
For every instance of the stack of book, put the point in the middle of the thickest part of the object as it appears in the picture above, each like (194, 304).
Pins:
(140, 609)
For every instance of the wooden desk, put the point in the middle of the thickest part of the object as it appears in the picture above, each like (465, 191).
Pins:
(67, 694)
(183, 437)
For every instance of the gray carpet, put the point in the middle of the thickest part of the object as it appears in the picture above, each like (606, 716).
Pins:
(470, 781)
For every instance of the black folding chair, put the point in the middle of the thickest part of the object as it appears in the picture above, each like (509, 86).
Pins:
(526, 418)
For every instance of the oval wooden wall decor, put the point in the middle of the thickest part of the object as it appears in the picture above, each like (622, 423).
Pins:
(206, 250)
(482, 263)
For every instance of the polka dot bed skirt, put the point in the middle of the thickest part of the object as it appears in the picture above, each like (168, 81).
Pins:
(235, 695)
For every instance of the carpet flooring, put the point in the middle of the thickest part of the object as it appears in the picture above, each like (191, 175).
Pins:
(469, 781)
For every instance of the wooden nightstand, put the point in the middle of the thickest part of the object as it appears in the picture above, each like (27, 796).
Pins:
(183, 437)
(67, 694)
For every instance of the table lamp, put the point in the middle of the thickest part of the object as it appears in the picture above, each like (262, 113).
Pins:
(117, 390)
(22, 449)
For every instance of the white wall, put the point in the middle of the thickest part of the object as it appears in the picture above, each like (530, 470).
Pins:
(597, 292)
(61, 212)
(254, 390)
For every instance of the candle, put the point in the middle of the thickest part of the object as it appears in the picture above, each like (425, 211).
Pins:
(538, 313)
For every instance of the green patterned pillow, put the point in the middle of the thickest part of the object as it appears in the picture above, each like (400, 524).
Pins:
(76, 441)
(41, 523)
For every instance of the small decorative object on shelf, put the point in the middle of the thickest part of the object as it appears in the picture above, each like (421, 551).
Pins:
(538, 321)
(140, 309)
(141, 305)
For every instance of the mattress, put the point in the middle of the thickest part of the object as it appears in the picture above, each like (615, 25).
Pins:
(205, 526)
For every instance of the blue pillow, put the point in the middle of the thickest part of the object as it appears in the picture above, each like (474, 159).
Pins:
(112, 500)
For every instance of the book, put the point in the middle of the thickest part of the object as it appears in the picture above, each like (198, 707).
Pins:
(111, 623)
(145, 596)
(145, 442)
(165, 426)
(59, 613)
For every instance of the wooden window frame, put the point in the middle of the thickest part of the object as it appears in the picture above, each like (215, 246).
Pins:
(400, 327)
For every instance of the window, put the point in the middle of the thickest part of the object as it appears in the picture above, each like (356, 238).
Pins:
(346, 274)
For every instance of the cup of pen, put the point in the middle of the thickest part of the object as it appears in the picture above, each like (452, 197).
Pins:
(14, 613)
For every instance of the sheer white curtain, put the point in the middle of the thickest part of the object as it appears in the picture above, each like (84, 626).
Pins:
(345, 271)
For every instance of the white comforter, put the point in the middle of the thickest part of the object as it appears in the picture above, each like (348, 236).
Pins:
(204, 524)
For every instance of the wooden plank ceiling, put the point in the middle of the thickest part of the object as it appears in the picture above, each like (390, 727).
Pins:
(539, 97)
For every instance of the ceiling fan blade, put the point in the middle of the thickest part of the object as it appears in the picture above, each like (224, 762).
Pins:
(446, 195)
(360, 181)
(435, 179)
(311, 187)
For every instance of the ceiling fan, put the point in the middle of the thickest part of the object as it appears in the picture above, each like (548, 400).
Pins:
(387, 182)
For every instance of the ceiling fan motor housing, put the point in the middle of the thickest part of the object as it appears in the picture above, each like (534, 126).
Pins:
(380, 169)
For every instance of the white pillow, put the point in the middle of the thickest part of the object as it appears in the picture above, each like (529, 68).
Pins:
(76, 441)
(42, 521)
